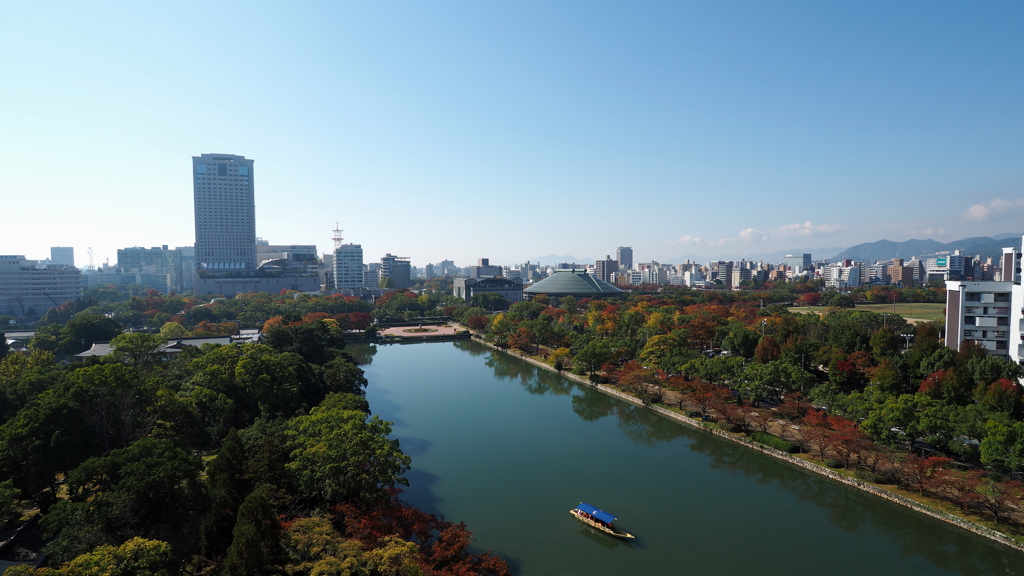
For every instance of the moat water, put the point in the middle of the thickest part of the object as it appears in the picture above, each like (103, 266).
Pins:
(509, 449)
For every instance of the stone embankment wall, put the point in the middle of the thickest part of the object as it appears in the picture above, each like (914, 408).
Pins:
(809, 466)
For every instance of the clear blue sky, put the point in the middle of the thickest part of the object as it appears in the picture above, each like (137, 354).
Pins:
(512, 130)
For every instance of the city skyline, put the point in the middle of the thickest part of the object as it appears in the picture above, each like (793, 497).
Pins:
(678, 130)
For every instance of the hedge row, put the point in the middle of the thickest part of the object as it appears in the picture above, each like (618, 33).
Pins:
(775, 442)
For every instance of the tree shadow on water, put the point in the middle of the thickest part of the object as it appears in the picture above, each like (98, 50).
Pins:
(414, 446)
(420, 491)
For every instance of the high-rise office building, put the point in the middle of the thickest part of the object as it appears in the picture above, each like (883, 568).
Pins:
(603, 269)
(225, 212)
(398, 269)
(624, 256)
(348, 267)
(796, 263)
(64, 255)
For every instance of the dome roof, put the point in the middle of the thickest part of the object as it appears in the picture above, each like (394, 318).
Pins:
(573, 283)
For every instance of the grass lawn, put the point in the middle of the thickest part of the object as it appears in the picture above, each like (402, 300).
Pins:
(907, 310)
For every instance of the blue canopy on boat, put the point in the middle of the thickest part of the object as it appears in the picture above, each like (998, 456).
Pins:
(597, 513)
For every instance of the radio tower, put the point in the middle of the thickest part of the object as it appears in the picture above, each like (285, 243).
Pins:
(338, 240)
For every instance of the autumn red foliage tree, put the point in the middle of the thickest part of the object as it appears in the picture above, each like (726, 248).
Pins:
(444, 545)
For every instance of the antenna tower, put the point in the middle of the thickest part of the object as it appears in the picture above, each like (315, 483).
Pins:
(91, 267)
(338, 240)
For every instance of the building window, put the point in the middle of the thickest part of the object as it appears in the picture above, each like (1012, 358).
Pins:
(200, 168)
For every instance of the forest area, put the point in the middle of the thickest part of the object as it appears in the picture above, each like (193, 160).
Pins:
(235, 459)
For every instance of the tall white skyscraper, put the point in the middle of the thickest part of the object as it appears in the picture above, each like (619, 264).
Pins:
(225, 211)
(348, 266)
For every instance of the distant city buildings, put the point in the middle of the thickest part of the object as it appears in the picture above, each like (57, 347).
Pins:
(152, 263)
(483, 269)
(226, 247)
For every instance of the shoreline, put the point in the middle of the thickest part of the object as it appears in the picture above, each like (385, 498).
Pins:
(897, 499)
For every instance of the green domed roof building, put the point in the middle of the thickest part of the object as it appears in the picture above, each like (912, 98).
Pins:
(576, 283)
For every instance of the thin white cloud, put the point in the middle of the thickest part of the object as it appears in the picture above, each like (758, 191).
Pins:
(687, 240)
(748, 235)
(997, 209)
(698, 241)
(805, 230)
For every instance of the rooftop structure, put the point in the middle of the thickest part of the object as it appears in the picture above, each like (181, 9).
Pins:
(575, 282)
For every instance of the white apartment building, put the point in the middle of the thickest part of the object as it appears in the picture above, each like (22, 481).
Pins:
(845, 275)
(989, 313)
(348, 267)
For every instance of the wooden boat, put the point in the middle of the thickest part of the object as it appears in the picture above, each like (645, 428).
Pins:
(599, 520)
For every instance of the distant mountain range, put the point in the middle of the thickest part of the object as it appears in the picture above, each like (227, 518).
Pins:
(887, 250)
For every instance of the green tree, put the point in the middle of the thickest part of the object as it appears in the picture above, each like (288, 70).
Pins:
(227, 487)
(594, 354)
(82, 331)
(318, 342)
(173, 330)
(342, 375)
(136, 557)
(8, 500)
(1003, 445)
(137, 349)
(269, 382)
(885, 344)
(386, 282)
(256, 548)
(148, 489)
(344, 455)
(741, 341)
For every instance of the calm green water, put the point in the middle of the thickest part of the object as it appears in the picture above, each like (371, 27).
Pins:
(509, 449)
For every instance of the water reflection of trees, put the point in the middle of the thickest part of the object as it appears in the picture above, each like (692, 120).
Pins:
(857, 513)
(534, 380)
(642, 426)
(847, 509)
(362, 354)
(472, 347)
